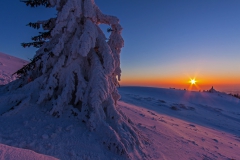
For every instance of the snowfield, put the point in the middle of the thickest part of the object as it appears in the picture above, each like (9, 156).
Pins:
(173, 125)
(185, 125)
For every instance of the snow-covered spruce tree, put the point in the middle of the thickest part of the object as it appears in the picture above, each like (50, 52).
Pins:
(76, 69)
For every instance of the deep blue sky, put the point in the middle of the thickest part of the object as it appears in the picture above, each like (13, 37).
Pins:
(164, 39)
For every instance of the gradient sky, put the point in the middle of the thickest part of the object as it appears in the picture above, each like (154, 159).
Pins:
(167, 42)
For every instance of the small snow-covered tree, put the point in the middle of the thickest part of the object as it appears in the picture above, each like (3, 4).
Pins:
(76, 69)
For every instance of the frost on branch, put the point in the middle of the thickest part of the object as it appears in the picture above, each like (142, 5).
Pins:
(77, 70)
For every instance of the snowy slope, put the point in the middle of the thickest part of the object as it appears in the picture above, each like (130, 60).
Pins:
(173, 124)
(8, 66)
(216, 110)
(185, 125)
(167, 133)
(13, 153)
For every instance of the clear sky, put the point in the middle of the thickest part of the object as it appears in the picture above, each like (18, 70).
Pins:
(167, 42)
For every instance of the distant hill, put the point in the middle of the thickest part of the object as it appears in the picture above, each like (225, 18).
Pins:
(9, 65)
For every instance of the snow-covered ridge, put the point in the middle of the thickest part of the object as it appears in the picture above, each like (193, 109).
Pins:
(8, 66)
(13, 153)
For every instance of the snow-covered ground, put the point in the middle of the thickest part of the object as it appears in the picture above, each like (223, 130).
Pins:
(174, 125)
(183, 124)
(8, 66)
(216, 110)
(13, 153)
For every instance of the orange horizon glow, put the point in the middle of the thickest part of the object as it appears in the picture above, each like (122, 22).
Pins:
(201, 83)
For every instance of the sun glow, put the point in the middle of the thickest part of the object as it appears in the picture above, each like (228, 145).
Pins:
(193, 81)
(193, 84)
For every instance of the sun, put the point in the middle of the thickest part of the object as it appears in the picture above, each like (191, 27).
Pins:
(193, 84)
(193, 81)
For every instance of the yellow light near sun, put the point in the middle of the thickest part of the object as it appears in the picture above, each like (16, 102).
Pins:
(192, 81)
(193, 84)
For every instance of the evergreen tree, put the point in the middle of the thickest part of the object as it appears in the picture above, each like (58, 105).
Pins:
(76, 69)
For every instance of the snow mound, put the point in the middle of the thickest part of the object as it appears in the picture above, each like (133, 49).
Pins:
(13, 153)
(8, 66)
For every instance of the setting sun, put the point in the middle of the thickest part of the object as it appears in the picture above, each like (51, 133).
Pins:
(193, 81)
